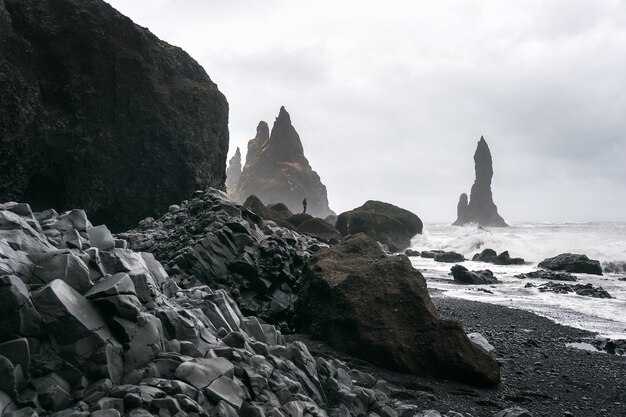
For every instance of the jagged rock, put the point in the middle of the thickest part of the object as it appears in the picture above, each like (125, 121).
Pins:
(70, 319)
(18, 316)
(396, 325)
(53, 392)
(233, 172)
(580, 289)
(464, 276)
(449, 257)
(550, 275)
(276, 170)
(490, 256)
(574, 263)
(98, 112)
(100, 237)
(481, 341)
(62, 264)
(614, 267)
(480, 208)
(386, 223)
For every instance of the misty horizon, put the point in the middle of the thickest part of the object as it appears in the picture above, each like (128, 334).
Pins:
(389, 104)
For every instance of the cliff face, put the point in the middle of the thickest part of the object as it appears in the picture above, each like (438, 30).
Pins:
(97, 112)
(276, 170)
(233, 172)
(480, 208)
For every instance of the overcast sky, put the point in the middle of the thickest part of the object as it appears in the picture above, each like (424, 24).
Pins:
(390, 98)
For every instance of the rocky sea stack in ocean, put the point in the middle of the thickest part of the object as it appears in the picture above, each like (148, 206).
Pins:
(480, 208)
(276, 170)
(97, 112)
(233, 172)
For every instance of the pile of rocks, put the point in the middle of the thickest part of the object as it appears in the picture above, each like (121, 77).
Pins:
(209, 240)
(90, 327)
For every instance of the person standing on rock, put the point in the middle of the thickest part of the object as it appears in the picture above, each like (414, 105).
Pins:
(304, 206)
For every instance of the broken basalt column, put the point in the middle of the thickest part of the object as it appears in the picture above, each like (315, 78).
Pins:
(480, 209)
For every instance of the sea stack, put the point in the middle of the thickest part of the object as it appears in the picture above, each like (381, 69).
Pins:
(233, 172)
(276, 170)
(480, 208)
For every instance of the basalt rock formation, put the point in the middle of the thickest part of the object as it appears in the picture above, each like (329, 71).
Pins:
(377, 308)
(97, 112)
(276, 170)
(384, 222)
(480, 208)
(89, 327)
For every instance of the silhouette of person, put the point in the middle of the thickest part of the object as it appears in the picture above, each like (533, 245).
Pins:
(304, 206)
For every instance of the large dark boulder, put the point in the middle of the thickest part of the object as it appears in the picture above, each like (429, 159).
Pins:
(378, 309)
(570, 262)
(384, 222)
(480, 208)
(276, 170)
(98, 113)
(463, 276)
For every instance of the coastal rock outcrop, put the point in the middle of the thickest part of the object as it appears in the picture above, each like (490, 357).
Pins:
(97, 112)
(377, 308)
(571, 262)
(233, 172)
(480, 208)
(384, 222)
(276, 170)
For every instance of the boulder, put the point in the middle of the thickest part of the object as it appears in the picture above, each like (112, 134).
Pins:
(386, 223)
(18, 316)
(64, 265)
(513, 412)
(575, 263)
(480, 208)
(99, 113)
(449, 257)
(319, 229)
(464, 276)
(378, 309)
(277, 170)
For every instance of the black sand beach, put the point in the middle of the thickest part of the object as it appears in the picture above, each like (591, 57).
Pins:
(539, 372)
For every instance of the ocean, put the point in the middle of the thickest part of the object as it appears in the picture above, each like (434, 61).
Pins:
(534, 242)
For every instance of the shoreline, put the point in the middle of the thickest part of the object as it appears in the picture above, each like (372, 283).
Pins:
(539, 372)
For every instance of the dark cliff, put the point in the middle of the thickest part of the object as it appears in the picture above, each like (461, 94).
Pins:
(276, 170)
(480, 209)
(97, 112)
